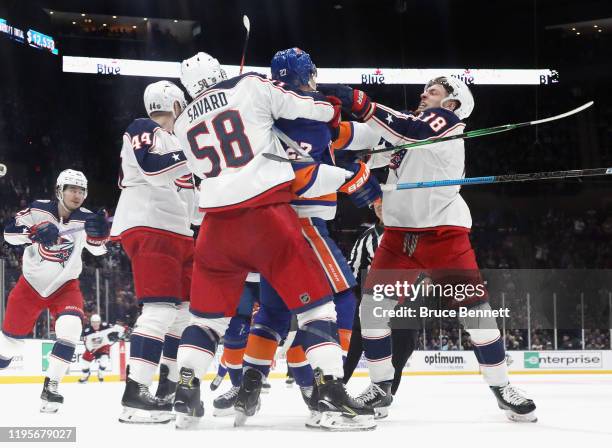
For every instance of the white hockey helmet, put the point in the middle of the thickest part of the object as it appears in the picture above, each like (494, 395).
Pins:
(95, 318)
(160, 96)
(69, 177)
(200, 72)
(457, 90)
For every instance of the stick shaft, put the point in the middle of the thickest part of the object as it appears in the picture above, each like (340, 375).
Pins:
(500, 179)
(479, 132)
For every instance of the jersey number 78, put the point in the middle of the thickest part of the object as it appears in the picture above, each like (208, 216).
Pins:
(234, 145)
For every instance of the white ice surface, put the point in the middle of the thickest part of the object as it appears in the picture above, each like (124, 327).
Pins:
(429, 411)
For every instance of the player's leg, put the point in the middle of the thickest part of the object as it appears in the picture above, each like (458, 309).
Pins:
(484, 333)
(234, 345)
(355, 348)
(22, 310)
(403, 344)
(103, 363)
(168, 370)
(270, 325)
(392, 254)
(66, 305)
(157, 268)
(215, 291)
(86, 360)
(221, 372)
(338, 273)
(296, 274)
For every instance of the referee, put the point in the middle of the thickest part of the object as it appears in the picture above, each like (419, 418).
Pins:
(403, 340)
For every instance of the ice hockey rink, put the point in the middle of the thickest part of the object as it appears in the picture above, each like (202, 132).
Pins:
(445, 410)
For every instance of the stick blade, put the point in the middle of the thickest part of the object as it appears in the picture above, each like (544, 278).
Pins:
(566, 114)
(246, 22)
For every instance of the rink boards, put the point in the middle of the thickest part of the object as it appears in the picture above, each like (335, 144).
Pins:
(32, 364)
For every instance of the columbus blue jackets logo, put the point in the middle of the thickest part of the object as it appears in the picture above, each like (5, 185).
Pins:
(58, 253)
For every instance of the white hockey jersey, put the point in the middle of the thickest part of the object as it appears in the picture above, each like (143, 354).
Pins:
(96, 339)
(225, 132)
(157, 189)
(428, 207)
(47, 268)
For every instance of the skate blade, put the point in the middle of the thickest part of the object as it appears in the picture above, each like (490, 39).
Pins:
(184, 421)
(521, 418)
(380, 413)
(336, 421)
(265, 391)
(140, 416)
(48, 407)
(224, 412)
(314, 421)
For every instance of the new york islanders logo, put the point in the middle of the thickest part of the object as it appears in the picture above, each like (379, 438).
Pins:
(58, 253)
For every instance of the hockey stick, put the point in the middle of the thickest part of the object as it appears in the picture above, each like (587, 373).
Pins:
(305, 158)
(476, 132)
(499, 179)
(247, 25)
(79, 229)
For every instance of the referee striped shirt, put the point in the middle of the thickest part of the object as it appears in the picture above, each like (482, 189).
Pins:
(363, 250)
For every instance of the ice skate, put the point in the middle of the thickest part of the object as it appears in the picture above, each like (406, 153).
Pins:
(85, 377)
(223, 405)
(139, 406)
(248, 401)
(377, 396)
(518, 408)
(187, 404)
(51, 400)
(214, 385)
(340, 411)
(165, 388)
(311, 398)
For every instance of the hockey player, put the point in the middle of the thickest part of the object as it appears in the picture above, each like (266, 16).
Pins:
(153, 222)
(295, 68)
(234, 345)
(51, 268)
(98, 338)
(427, 230)
(249, 226)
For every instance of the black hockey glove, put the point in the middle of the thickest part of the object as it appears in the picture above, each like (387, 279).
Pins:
(45, 233)
(97, 228)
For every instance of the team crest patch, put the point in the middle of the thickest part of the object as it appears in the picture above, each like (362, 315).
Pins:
(305, 298)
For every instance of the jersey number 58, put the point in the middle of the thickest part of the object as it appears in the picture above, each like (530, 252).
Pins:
(234, 145)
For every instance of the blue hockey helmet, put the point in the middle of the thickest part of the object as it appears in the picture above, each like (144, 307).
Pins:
(293, 67)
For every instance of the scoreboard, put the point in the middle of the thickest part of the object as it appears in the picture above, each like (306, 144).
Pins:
(33, 38)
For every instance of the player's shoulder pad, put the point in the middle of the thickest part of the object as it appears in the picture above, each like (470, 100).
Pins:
(140, 125)
(45, 205)
(231, 83)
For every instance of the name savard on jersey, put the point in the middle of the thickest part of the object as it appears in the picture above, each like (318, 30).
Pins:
(205, 104)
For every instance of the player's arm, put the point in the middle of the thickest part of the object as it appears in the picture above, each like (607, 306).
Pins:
(395, 127)
(290, 104)
(157, 166)
(317, 179)
(22, 229)
(97, 231)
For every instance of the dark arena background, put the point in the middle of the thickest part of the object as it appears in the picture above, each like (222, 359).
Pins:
(72, 80)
